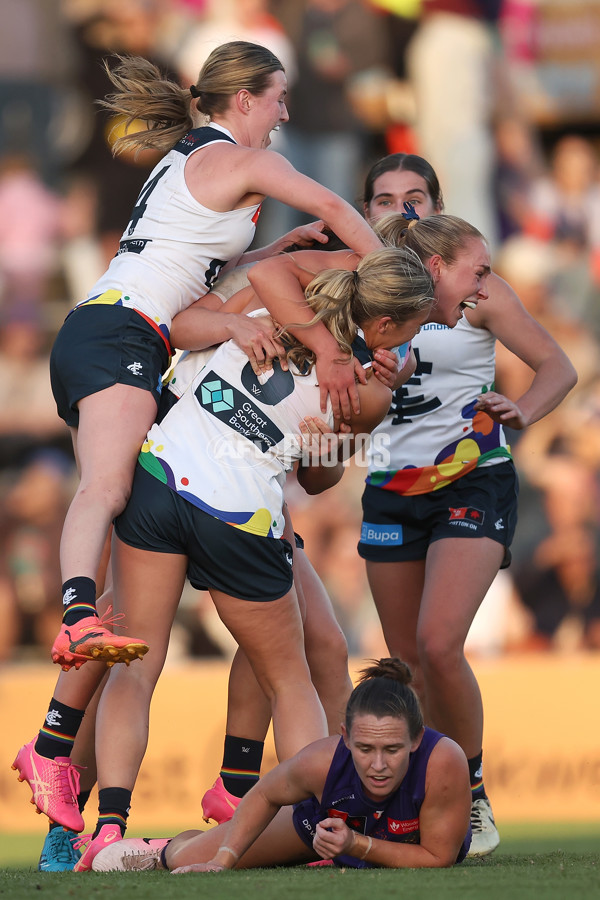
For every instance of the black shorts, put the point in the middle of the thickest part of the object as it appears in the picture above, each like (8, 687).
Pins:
(101, 345)
(483, 503)
(220, 556)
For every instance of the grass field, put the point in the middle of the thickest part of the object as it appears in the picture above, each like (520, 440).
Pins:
(545, 862)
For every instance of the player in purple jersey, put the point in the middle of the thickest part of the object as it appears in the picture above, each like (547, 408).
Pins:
(387, 793)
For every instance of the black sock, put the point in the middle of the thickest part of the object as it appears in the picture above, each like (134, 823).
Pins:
(241, 764)
(82, 799)
(113, 808)
(163, 857)
(476, 776)
(79, 599)
(58, 732)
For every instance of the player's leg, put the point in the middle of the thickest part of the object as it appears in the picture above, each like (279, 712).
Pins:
(397, 588)
(324, 641)
(106, 469)
(147, 588)
(272, 637)
(459, 574)
(248, 720)
(278, 845)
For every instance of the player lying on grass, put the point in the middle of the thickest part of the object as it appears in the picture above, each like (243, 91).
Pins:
(389, 792)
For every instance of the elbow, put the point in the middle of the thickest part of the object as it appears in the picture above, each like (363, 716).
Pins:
(260, 274)
(574, 377)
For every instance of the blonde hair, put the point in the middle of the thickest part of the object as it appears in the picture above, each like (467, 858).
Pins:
(390, 282)
(443, 235)
(144, 94)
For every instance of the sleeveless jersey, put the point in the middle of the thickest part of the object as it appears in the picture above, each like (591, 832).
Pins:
(173, 247)
(432, 434)
(394, 819)
(230, 438)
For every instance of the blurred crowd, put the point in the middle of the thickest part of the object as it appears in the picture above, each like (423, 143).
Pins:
(434, 77)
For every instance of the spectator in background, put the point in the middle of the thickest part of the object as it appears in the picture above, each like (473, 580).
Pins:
(30, 228)
(233, 20)
(36, 466)
(335, 41)
(518, 163)
(451, 63)
(36, 70)
(102, 28)
(564, 210)
(559, 584)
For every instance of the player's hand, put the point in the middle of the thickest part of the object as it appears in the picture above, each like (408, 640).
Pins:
(319, 441)
(501, 410)
(199, 867)
(332, 838)
(306, 235)
(386, 366)
(256, 337)
(337, 378)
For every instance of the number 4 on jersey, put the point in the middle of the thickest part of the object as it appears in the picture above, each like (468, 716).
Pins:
(141, 203)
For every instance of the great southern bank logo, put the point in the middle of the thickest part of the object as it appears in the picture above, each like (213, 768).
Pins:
(220, 399)
(238, 411)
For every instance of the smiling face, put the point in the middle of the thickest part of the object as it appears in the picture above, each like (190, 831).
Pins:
(380, 749)
(268, 111)
(392, 189)
(460, 284)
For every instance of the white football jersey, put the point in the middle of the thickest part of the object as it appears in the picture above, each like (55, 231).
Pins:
(173, 248)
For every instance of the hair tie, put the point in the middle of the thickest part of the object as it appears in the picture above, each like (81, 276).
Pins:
(194, 91)
(355, 277)
(410, 212)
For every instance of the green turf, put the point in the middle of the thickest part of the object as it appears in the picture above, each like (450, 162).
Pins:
(541, 862)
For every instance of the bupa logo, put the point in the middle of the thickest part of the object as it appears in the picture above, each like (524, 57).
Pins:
(215, 396)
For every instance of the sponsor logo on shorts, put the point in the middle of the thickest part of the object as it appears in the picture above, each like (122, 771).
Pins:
(381, 535)
(466, 517)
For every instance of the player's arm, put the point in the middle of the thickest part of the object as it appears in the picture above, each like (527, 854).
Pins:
(280, 283)
(506, 318)
(327, 468)
(290, 782)
(222, 315)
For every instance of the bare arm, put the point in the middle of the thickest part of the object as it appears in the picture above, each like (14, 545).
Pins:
(209, 321)
(443, 820)
(289, 782)
(506, 318)
(225, 177)
(279, 283)
(338, 446)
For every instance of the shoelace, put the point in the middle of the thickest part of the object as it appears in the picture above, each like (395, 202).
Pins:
(68, 780)
(80, 841)
(62, 846)
(477, 814)
(139, 860)
(107, 619)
